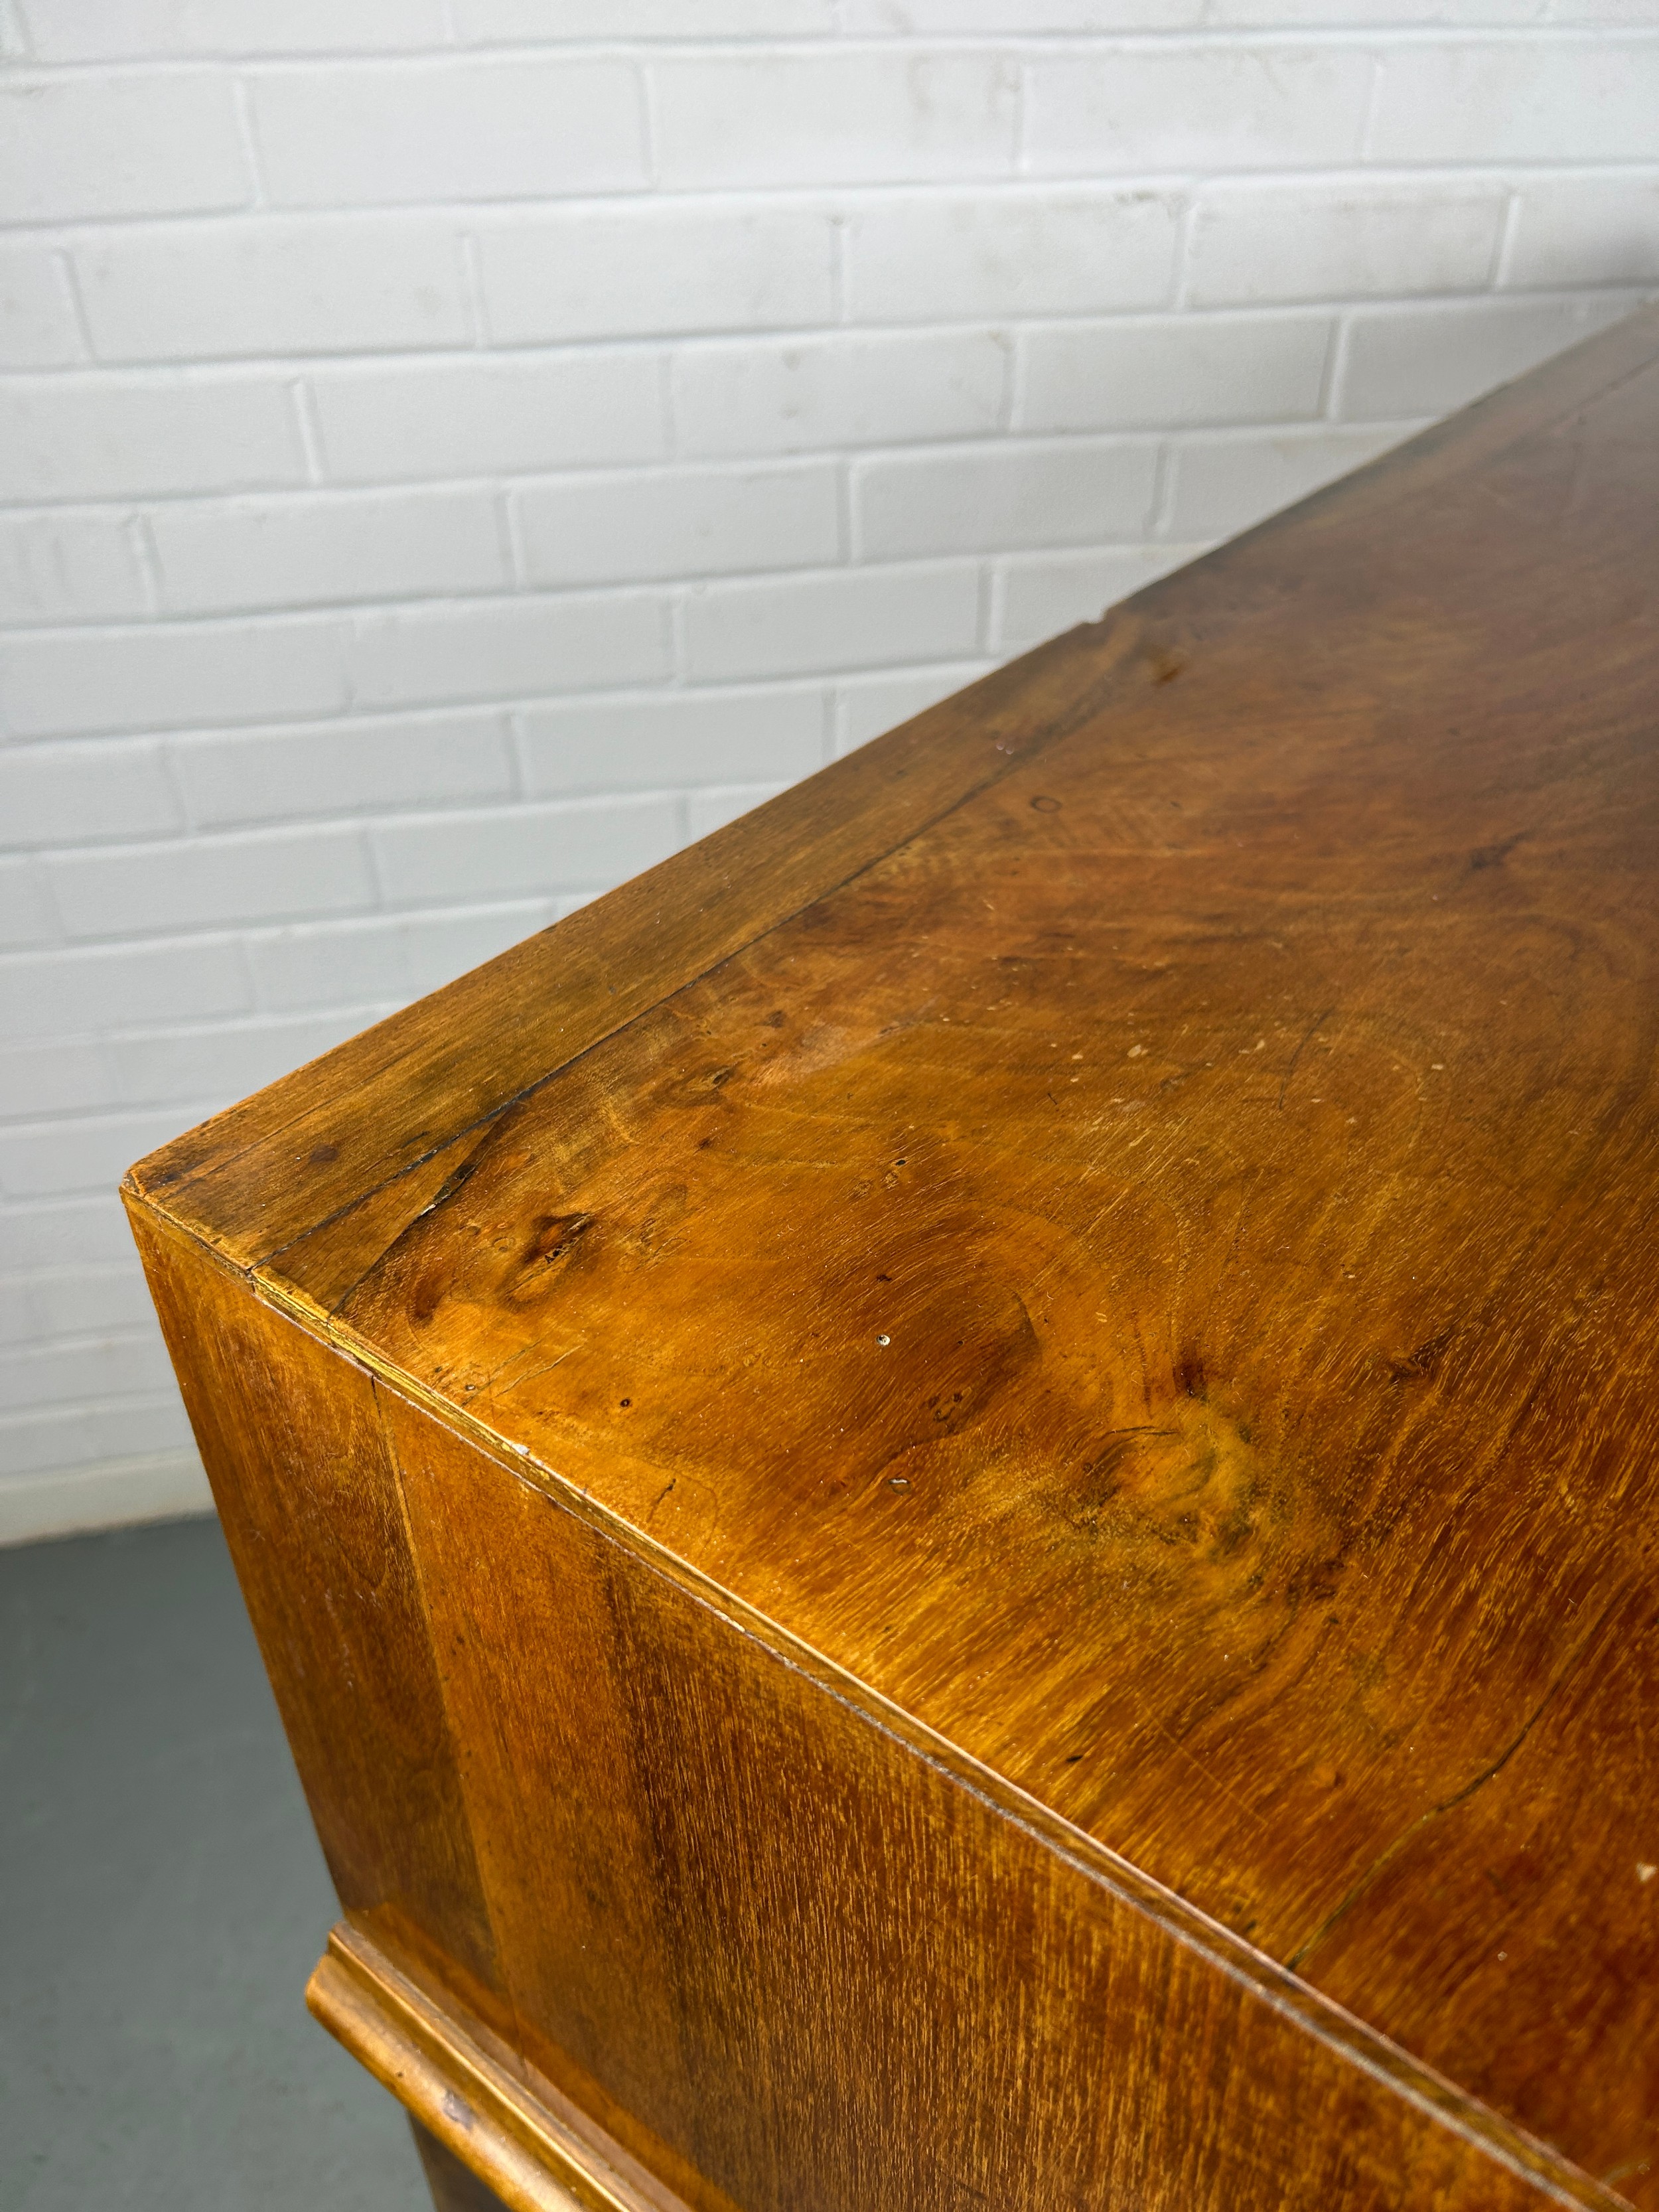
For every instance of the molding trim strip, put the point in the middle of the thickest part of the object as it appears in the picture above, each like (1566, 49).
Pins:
(533, 2160)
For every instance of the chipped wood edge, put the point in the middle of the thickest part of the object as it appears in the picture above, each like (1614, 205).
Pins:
(534, 2160)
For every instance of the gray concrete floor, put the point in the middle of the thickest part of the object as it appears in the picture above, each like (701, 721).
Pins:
(163, 1900)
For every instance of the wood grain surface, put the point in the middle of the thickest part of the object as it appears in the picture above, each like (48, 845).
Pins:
(859, 1971)
(293, 1442)
(1120, 1219)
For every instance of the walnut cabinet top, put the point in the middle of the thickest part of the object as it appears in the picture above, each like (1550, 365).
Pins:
(1116, 1229)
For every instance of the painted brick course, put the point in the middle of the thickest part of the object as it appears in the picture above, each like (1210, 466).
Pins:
(453, 451)
(93, 144)
(260, 290)
(382, 133)
(80, 565)
(605, 528)
(100, 436)
(865, 117)
(318, 551)
(38, 324)
(812, 394)
(984, 498)
(486, 416)
(1015, 253)
(637, 269)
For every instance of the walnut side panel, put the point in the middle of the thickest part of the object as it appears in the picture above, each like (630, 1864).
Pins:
(291, 1435)
(811, 1964)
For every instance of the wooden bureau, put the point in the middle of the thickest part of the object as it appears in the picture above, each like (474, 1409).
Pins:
(954, 1506)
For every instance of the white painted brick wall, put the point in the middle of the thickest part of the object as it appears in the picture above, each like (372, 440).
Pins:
(455, 450)
(489, 414)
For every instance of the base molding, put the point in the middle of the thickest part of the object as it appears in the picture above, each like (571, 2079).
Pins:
(454, 2187)
(533, 2159)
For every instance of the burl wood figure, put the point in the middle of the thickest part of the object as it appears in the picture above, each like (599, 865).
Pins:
(955, 1505)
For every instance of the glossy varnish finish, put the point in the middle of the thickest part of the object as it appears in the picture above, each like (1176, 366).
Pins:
(956, 1503)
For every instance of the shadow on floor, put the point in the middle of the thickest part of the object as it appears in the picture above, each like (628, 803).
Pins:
(163, 1900)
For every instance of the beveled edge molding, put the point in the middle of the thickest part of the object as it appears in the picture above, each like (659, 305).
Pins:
(534, 2160)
